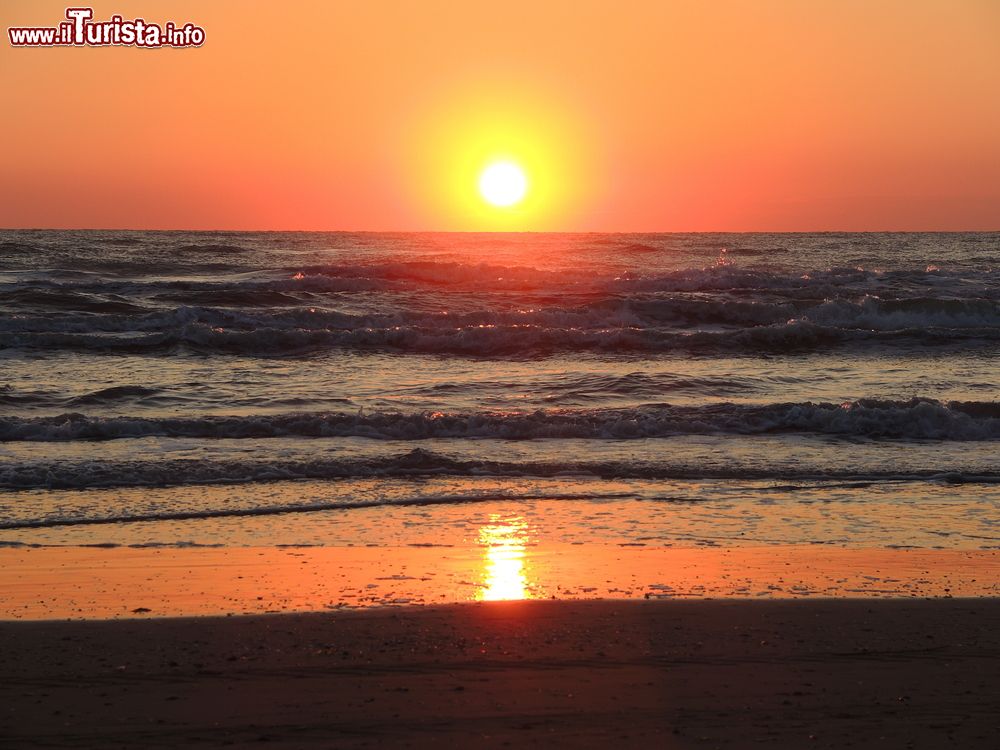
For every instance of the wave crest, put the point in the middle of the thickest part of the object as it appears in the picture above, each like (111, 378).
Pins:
(916, 418)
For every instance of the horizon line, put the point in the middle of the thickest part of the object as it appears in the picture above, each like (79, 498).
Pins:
(504, 231)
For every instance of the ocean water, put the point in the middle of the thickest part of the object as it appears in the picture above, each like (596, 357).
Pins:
(328, 388)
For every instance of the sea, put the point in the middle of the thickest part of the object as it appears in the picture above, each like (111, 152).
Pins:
(163, 388)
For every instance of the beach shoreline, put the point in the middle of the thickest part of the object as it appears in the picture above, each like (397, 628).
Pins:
(724, 673)
(101, 583)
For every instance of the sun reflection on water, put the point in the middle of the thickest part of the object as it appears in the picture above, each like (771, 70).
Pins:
(504, 540)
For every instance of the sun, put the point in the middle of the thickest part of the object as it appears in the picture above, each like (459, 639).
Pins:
(503, 184)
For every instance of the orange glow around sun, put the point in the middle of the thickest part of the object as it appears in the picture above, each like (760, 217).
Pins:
(502, 161)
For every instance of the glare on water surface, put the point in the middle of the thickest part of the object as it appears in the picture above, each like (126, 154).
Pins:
(504, 540)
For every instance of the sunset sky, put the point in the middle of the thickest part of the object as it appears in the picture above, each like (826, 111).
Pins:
(625, 116)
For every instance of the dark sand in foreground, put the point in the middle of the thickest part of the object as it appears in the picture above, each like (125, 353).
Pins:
(794, 674)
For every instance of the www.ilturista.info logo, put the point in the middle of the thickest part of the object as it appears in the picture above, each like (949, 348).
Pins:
(80, 31)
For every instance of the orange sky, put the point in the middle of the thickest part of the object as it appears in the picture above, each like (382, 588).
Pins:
(630, 116)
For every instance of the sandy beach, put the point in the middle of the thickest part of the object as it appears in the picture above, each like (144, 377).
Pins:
(790, 674)
(123, 582)
(782, 647)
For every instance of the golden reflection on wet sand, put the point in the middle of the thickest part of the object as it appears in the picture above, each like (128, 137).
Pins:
(84, 582)
(504, 572)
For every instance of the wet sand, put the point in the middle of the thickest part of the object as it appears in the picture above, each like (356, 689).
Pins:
(100, 583)
(676, 674)
(797, 646)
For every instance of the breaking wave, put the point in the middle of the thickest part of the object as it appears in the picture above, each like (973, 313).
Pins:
(418, 463)
(916, 419)
(615, 312)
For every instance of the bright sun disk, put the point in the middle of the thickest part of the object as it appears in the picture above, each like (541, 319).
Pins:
(503, 183)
